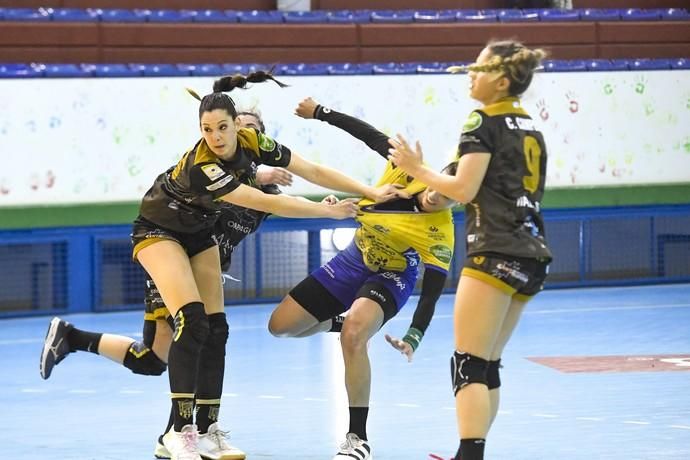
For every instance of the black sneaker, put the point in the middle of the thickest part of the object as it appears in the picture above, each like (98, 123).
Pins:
(55, 346)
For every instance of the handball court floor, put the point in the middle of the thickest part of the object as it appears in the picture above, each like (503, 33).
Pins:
(600, 373)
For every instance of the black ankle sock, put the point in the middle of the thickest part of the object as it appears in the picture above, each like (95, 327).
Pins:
(358, 421)
(83, 340)
(472, 449)
(337, 323)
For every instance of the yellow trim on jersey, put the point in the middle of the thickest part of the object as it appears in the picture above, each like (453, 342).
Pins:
(204, 154)
(481, 276)
(158, 313)
(146, 243)
(182, 395)
(248, 138)
(506, 106)
(180, 165)
(207, 402)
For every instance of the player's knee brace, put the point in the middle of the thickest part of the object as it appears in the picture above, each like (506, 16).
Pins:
(191, 327)
(141, 360)
(493, 378)
(466, 368)
(218, 333)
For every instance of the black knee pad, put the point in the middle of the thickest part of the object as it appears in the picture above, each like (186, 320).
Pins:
(218, 332)
(493, 378)
(466, 368)
(141, 360)
(191, 326)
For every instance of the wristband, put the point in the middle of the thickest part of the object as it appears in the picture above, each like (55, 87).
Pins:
(413, 337)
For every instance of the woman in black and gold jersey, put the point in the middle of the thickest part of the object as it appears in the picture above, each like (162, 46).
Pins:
(500, 177)
(373, 277)
(173, 241)
(149, 356)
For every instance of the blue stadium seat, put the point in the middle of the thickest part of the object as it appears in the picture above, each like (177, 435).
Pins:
(435, 16)
(244, 69)
(392, 16)
(433, 67)
(19, 71)
(621, 64)
(513, 15)
(351, 69)
(603, 65)
(120, 15)
(350, 16)
(559, 65)
(556, 15)
(650, 64)
(304, 69)
(160, 70)
(213, 15)
(680, 63)
(598, 14)
(636, 14)
(477, 16)
(74, 15)
(170, 16)
(63, 70)
(27, 14)
(111, 70)
(305, 17)
(260, 17)
(202, 70)
(675, 14)
(395, 68)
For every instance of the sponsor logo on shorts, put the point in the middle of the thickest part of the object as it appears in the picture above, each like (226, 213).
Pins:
(442, 253)
(395, 278)
(504, 270)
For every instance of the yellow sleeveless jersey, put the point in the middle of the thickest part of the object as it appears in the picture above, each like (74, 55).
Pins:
(387, 238)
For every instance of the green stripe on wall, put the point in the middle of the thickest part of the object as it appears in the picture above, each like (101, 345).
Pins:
(124, 213)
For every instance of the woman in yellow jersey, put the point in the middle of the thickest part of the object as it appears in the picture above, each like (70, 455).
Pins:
(500, 176)
(372, 278)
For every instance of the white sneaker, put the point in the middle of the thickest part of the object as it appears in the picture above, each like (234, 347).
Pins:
(182, 445)
(354, 448)
(213, 445)
(161, 451)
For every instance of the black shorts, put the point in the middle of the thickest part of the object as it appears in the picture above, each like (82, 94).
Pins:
(323, 305)
(145, 233)
(519, 277)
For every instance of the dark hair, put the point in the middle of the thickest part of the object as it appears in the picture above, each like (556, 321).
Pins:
(514, 59)
(219, 100)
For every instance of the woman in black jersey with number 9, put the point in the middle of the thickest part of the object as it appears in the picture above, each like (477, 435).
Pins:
(500, 177)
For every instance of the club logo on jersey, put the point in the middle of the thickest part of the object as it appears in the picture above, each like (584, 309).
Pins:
(213, 171)
(473, 122)
(266, 143)
(442, 253)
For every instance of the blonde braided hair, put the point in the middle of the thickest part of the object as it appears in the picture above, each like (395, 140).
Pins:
(512, 58)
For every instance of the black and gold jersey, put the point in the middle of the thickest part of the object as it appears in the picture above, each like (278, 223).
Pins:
(235, 223)
(186, 198)
(505, 215)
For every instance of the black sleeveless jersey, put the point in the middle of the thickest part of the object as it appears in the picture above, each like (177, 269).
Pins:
(505, 216)
(186, 198)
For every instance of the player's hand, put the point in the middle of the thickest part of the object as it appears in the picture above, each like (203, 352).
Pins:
(267, 175)
(306, 108)
(403, 347)
(344, 209)
(403, 156)
(330, 199)
(388, 192)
